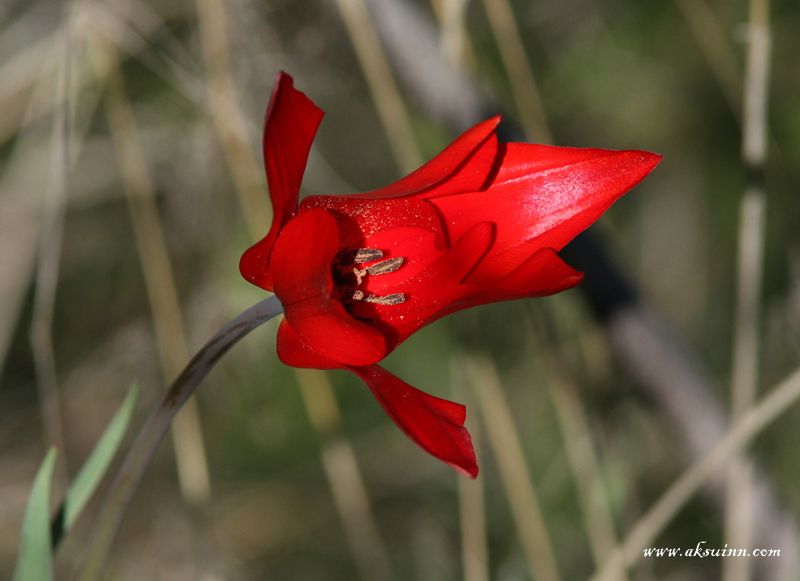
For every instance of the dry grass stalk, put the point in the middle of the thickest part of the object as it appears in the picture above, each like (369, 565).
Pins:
(341, 468)
(520, 73)
(744, 378)
(385, 94)
(505, 443)
(650, 525)
(190, 455)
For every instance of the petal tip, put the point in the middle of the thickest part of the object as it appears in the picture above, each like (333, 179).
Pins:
(468, 466)
(648, 159)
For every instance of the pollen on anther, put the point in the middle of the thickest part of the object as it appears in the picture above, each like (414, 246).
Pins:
(393, 299)
(386, 266)
(367, 254)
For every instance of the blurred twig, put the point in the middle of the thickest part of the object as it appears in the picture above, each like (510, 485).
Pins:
(190, 455)
(471, 497)
(456, 43)
(709, 35)
(227, 115)
(27, 88)
(518, 70)
(744, 378)
(647, 529)
(20, 220)
(385, 94)
(583, 461)
(52, 228)
(574, 425)
(19, 75)
(344, 476)
(507, 448)
(157, 425)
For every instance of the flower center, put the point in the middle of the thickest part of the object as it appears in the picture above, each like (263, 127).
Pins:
(352, 269)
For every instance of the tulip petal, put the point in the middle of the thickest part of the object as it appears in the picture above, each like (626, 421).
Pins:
(435, 424)
(301, 263)
(462, 166)
(360, 219)
(546, 193)
(291, 124)
(543, 273)
(292, 350)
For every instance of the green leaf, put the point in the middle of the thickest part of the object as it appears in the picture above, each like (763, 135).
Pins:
(96, 465)
(34, 562)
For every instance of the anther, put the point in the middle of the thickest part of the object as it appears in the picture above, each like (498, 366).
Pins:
(386, 266)
(393, 299)
(357, 295)
(367, 254)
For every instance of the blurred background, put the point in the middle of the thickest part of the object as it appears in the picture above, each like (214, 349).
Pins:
(131, 181)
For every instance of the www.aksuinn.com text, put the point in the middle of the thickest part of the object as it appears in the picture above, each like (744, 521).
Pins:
(701, 551)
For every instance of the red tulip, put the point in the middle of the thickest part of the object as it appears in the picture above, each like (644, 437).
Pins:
(358, 274)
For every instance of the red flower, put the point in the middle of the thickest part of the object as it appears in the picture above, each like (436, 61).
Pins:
(358, 274)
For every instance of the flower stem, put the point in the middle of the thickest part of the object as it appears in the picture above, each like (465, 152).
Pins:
(157, 425)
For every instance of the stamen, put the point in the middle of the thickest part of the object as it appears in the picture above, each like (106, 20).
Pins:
(393, 299)
(386, 266)
(360, 256)
(367, 254)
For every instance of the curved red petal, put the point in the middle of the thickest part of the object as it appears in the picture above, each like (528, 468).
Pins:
(462, 166)
(541, 274)
(360, 219)
(291, 123)
(301, 265)
(546, 193)
(293, 351)
(465, 165)
(435, 424)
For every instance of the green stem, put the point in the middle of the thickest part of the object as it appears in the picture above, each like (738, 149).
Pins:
(157, 425)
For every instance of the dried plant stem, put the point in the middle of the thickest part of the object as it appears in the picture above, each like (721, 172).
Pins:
(472, 516)
(50, 238)
(518, 69)
(709, 35)
(471, 497)
(227, 116)
(156, 426)
(190, 454)
(574, 425)
(507, 448)
(21, 216)
(344, 476)
(456, 42)
(385, 94)
(585, 467)
(647, 529)
(744, 381)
